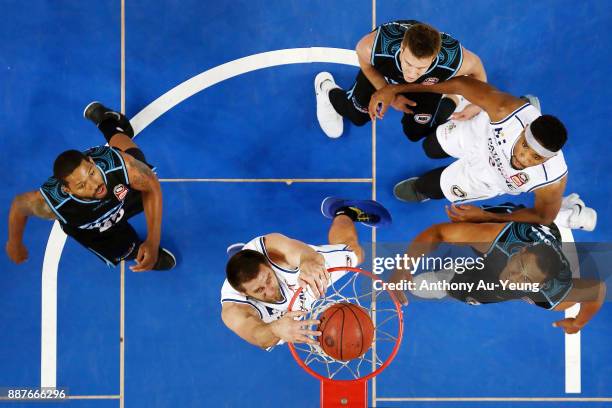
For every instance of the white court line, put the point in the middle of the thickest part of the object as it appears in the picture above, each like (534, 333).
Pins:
(122, 264)
(55, 243)
(48, 312)
(496, 399)
(573, 369)
(238, 67)
(271, 180)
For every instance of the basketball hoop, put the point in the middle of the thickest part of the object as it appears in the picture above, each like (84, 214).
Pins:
(344, 383)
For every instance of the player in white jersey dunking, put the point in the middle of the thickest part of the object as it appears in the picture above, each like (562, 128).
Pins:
(263, 276)
(510, 148)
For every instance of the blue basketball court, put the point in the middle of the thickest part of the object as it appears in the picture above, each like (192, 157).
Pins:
(221, 95)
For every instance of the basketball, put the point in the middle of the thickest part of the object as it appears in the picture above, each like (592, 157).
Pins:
(346, 331)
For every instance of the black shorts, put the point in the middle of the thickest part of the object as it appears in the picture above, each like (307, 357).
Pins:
(119, 242)
(354, 105)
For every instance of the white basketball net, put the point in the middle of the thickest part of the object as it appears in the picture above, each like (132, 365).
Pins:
(356, 288)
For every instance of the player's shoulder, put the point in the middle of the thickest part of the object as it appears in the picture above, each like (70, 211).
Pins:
(533, 233)
(256, 244)
(230, 296)
(556, 167)
(105, 157)
(52, 190)
(396, 27)
(451, 53)
(228, 293)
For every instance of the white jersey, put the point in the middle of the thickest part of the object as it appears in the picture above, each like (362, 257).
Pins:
(335, 256)
(484, 150)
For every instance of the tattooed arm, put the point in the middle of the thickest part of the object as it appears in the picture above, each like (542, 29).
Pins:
(142, 178)
(24, 205)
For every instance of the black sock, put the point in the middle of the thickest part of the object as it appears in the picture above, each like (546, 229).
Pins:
(349, 212)
(110, 127)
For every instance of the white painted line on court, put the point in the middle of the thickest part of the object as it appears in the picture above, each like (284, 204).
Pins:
(573, 369)
(234, 68)
(57, 238)
(48, 306)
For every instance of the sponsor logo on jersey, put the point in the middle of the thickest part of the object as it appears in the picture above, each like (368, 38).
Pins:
(499, 136)
(107, 220)
(520, 179)
(120, 191)
(496, 162)
(422, 118)
(458, 192)
(430, 81)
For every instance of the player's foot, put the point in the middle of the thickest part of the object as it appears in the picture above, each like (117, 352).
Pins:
(532, 99)
(329, 120)
(367, 212)
(165, 260)
(98, 113)
(234, 249)
(582, 217)
(406, 190)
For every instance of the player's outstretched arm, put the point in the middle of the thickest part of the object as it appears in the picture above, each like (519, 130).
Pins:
(24, 205)
(299, 255)
(364, 55)
(547, 204)
(479, 236)
(497, 104)
(142, 178)
(590, 294)
(245, 322)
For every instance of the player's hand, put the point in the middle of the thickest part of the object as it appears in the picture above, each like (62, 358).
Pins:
(146, 257)
(295, 331)
(466, 213)
(466, 114)
(314, 274)
(16, 251)
(401, 103)
(568, 325)
(380, 101)
(398, 276)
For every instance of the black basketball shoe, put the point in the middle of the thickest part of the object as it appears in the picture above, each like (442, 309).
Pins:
(98, 113)
(165, 260)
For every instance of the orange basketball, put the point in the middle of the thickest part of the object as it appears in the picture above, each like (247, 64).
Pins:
(346, 331)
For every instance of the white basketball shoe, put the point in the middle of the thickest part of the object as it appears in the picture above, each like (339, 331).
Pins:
(329, 120)
(575, 214)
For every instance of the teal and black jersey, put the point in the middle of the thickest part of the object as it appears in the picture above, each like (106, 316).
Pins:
(514, 237)
(386, 55)
(95, 216)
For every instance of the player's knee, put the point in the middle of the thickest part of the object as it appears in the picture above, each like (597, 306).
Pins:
(414, 131)
(358, 118)
(432, 147)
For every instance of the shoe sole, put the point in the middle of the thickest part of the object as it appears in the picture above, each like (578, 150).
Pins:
(382, 224)
(404, 200)
(173, 258)
(88, 106)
